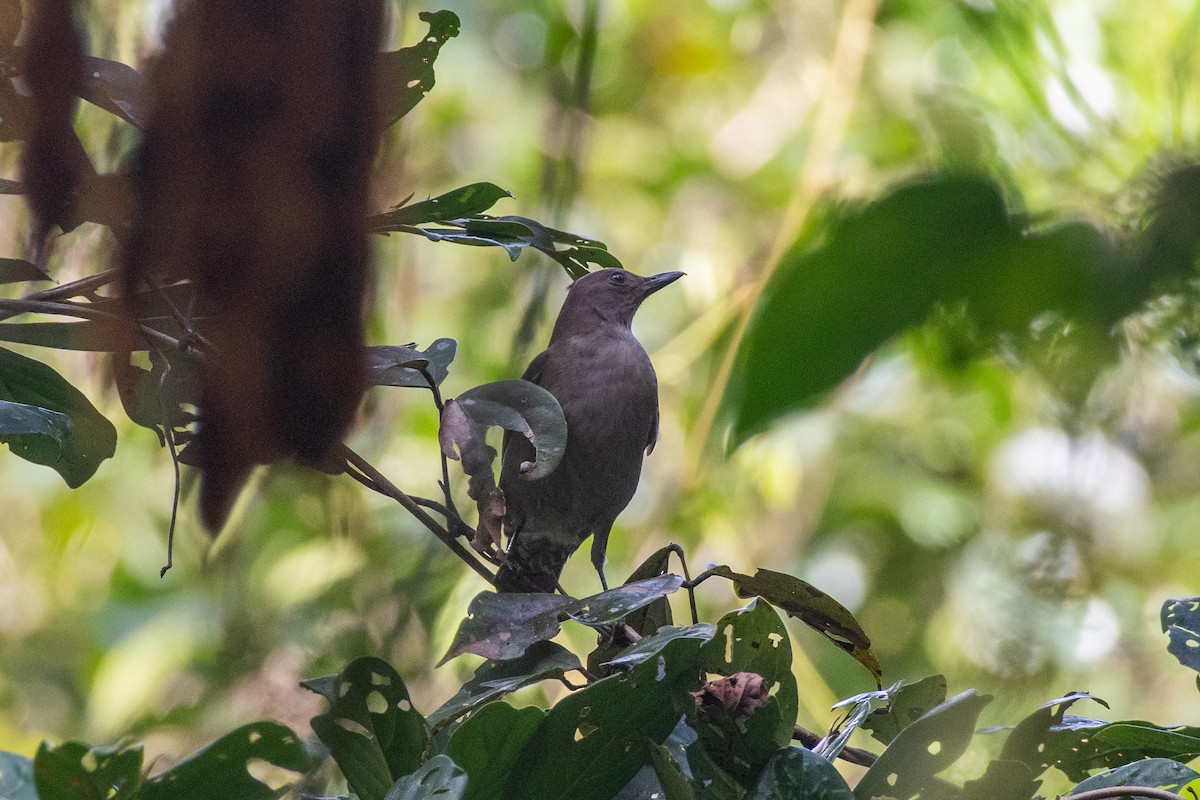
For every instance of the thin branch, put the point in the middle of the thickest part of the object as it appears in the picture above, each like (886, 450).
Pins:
(687, 579)
(10, 308)
(388, 488)
(445, 483)
(854, 755)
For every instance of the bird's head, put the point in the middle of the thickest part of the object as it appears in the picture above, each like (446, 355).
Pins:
(607, 295)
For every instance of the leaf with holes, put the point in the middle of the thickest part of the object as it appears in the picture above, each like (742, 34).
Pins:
(750, 640)
(811, 606)
(644, 621)
(1049, 737)
(73, 771)
(220, 770)
(800, 774)
(465, 201)
(504, 626)
(392, 365)
(373, 732)
(593, 741)
(405, 76)
(439, 778)
(923, 749)
(608, 607)
(494, 679)
(1160, 773)
(1181, 623)
(488, 744)
(90, 439)
(905, 705)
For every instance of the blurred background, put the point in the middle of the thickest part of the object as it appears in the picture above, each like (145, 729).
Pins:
(1009, 513)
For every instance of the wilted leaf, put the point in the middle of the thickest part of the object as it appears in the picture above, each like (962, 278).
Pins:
(799, 774)
(488, 744)
(593, 741)
(117, 88)
(90, 438)
(503, 626)
(439, 778)
(906, 703)
(923, 749)
(375, 735)
(221, 769)
(73, 771)
(15, 270)
(518, 406)
(405, 76)
(466, 201)
(811, 606)
(1181, 623)
(393, 365)
(494, 679)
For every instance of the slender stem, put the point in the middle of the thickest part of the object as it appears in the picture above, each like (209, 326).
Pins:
(437, 400)
(1125, 791)
(385, 486)
(854, 755)
(687, 579)
(83, 311)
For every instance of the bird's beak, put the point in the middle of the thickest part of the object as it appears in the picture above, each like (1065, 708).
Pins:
(656, 282)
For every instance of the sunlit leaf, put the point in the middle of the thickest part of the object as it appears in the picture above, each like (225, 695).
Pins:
(222, 768)
(375, 735)
(488, 744)
(90, 439)
(923, 749)
(466, 201)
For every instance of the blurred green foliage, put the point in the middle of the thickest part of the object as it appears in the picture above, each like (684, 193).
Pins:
(1004, 492)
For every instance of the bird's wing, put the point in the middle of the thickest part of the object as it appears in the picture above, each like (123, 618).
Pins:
(533, 373)
(653, 438)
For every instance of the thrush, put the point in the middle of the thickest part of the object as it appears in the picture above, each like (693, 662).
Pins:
(605, 383)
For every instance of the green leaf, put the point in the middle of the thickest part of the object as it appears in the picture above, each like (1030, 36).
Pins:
(494, 679)
(16, 270)
(90, 335)
(593, 741)
(90, 439)
(392, 365)
(117, 88)
(518, 406)
(799, 774)
(674, 783)
(645, 621)
(1158, 773)
(1181, 623)
(73, 771)
(1004, 780)
(1049, 737)
(650, 646)
(439, 778)
(504, 626)
(608, 607)
(371, 728)
(749, 640)
(16, 777)
(466, 201)
(488, 745)
(19, 419)
(811, 606)
(221, 769)
(908, 703)
(883, 267)
(405, 76)
(923, 749)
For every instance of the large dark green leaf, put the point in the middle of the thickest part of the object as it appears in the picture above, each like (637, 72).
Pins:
(16, 777)
(1161, 773)
(1181, 623)
(908, 703)
(494, 679)
(398, 365)
(117, 88)
(503, 626)
(593, 741)
(222, 768)
(811, 606)
(466, 201)
(16, 270)
(671, 780)
(405, 76)
(923, 749)
(439, 778)
(488, 745)
(883, 267)
(73, 771)
(18, 419)
(375, 735)
(90, 439)
(798, 774)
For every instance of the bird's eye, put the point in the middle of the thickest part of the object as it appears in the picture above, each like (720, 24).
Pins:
(617, 277)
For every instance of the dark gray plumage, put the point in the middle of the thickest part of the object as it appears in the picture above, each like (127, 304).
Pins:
(606, 385)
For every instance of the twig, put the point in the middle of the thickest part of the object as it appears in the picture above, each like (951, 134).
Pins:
(854, 755)
(1123, 791)
(68, 309)
(445, 483)
(169, 436)
(687, 579)
(383, 485)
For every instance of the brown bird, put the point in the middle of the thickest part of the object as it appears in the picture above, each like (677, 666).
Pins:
(608, 391)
